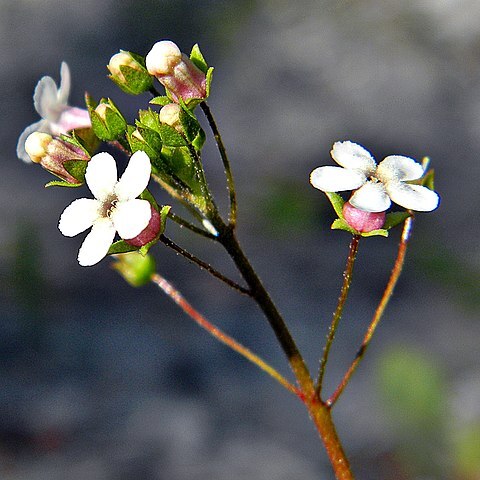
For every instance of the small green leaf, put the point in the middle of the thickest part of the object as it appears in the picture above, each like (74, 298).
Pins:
(337, 203)
(76, 168)
(170, 137)
(394, 218)
(121, 247)
(341, 224)
(149, 118)
(197, 58)
(161, 100)
(62, 183)
(209, 81)
(381, 232)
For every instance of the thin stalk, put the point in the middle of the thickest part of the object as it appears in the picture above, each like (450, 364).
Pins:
(171, 244)
(226, 163)
(178, 298)
(184, 223)
(387, 294)
(347, 281)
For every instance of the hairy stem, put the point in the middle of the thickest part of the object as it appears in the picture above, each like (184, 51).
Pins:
(387, 294)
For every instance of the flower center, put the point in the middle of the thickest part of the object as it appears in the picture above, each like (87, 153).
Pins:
(109, 206)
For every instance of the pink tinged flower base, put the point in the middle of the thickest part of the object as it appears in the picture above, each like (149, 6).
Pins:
(149, 232)
(361, 220)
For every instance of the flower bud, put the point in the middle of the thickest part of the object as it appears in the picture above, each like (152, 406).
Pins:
(149, 232)
(52, 153)
(170, 114)
(107, 121)
(361, 220)
(129, 73)
(176, 72)
(135, 268)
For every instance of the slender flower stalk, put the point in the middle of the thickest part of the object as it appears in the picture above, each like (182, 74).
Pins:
(184, 223)
(347, 281)
(226, 163)
(387, 294)
(203, 265)
(179, 299)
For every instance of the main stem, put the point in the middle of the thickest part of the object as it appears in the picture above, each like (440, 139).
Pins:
(318, 410)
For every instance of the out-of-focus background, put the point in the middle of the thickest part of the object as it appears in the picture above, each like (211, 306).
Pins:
(99, 381)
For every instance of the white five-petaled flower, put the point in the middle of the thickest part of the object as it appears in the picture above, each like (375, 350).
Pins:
(51, 104)
(376, 186)
(114, 209)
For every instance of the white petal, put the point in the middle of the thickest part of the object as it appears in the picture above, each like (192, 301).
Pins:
(101, 175)
(135, 178)
(41, 126)
(69, 119)
(413, 197)
(45, 99)
(78, 216)
(131, 217)
(372, 197)
(350, 155)
(397, 167)
(65, 81)
(336, 179)
(96, 244)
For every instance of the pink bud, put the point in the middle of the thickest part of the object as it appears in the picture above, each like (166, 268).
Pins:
(175, 71)
(361, 220)
(149, 232)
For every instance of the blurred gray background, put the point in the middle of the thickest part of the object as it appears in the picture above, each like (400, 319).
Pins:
(99, 381)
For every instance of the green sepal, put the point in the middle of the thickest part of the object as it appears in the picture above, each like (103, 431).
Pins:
(149, 118)
(208, 81)
(62, 183)
(337, 203)
(190, 124)
(121, 247)
(341, 224)
(381, 232)
(136, 81)
(110, 128)
(428, 180)
(199, 140)
(136, 269)
(197, 58)
(170, 137)
(395, 218)
(162, 100)
(151, 143)
(76, 168)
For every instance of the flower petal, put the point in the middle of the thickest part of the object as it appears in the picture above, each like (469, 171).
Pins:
(398, 167)
(41, 126)
(65, 82)
(131, 217)
(78, 216)
(413, 197)
(69, 119)
(45, 99)
(96, 244)
(372, 197)
(101, 175)
(336, 179)
(353, 156)
(135, 178)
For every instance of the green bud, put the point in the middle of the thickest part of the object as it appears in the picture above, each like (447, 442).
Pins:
(107, 121)
(135, 268)
(128, 71)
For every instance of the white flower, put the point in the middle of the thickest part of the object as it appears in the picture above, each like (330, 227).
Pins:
(51, 104)
(378, 185)
(114, 209)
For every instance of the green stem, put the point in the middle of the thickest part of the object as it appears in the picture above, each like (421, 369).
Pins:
(178, 298)
(347, 280)
(171, 244)
(387, 294)
(184, 223)
(226, 164)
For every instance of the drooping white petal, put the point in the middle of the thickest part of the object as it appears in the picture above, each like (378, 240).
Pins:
(65, 82)
(372, 197)
(45, 98)
(131, 217)
(135, 178)
(96, 244)
(336, 179)
(78, 216)
(41, 126)
(101, 175)
(413, 197)
(398, 167)
(353, 156)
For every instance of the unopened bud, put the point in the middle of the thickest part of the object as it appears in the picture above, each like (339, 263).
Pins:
(170, 114)
(149, 232)
(107, 121)
(129, 73)
(52, 153)
(361, 220)
(176, 72)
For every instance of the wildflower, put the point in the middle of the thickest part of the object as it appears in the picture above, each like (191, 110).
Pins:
(114, 209)
(176, 72)
(52, 153)
(128, 71)
(376, 185)
(51, 104)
